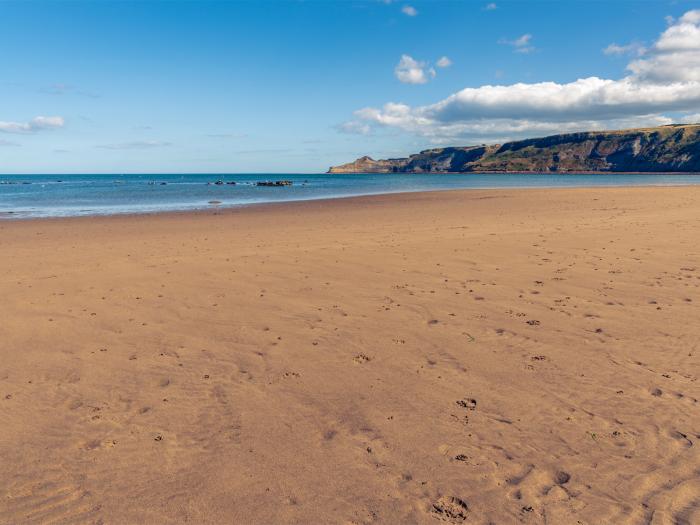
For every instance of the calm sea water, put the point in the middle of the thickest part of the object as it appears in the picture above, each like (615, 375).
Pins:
(27, 196)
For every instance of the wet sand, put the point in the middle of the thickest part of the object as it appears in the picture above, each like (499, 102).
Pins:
(471, 356)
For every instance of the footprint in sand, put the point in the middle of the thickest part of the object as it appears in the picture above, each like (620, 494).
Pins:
(97, 443)
(534, 484)
(75, 404)
(450, 508)
(467, 402)
(561, 477)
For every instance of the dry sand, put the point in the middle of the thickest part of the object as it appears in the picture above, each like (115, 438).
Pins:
(480, 357)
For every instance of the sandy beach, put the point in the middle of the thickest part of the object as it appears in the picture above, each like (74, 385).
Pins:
(490, 356)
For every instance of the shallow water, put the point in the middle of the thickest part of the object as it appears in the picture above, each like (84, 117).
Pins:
(27, 196)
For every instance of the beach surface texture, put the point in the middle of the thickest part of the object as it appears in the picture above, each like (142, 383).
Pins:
(485, 356)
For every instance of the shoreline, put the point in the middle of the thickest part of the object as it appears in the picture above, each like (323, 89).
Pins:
(8, 216)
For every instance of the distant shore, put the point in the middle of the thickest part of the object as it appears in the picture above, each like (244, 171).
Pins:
(658, 149)
(573, 172)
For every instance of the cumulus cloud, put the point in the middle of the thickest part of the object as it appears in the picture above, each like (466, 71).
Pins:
(140, 144)
(444, 62)
(584, 98)
(665, 79)
(675, 56)
(490, 6)
(409, 10)
(34, 125)
(411, 71)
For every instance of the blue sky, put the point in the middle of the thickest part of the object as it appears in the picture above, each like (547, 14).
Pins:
(294, 86)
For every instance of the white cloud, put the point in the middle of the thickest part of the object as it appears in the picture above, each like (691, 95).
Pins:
(518, 106)
(141, 144)
(666, 79)
(522, 44)
(490, 7)
(409, 10)
(411, 71)
(633, 48)
(676, 54)
(36, 124)
(444, 62)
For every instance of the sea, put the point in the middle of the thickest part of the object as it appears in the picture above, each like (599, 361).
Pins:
(35, 196)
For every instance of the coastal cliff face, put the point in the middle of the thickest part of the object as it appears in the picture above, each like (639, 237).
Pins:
(661, 149)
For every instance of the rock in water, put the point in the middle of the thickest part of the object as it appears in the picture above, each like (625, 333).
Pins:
(274, 183)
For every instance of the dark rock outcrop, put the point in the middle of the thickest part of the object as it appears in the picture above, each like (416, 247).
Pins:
(274, 183)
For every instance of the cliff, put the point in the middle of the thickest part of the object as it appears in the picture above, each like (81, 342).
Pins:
(673, 148)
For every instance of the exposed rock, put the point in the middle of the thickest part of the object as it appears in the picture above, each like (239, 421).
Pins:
(673, 148)
(274, 183)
